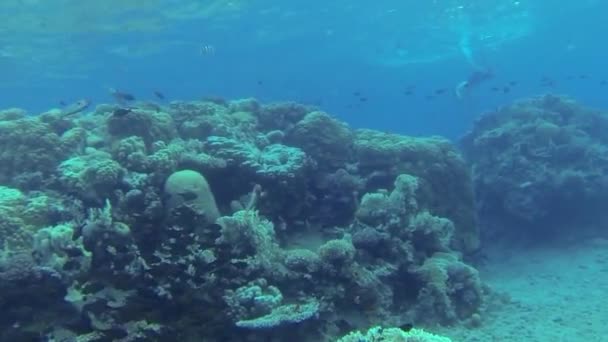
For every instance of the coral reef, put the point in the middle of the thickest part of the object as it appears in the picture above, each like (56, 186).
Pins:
(540, 167)
(229, 221)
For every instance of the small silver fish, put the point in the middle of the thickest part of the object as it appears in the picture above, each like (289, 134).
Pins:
(207, 50)
(75, 107)
(525, 185)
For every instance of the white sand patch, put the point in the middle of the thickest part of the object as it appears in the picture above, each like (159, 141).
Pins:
(557, 295)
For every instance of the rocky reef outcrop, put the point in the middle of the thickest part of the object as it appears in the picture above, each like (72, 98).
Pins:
(228, 221)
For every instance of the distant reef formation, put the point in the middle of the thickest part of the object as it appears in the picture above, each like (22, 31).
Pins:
(540, 169)
(233, 221)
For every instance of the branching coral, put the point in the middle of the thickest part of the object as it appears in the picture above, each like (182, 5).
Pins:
(452, 289)
(393, 335)
(275, 161)
(264, 307)
(92, 176)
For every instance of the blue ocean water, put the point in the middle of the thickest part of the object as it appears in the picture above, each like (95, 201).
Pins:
(208, 209)
(317, 53)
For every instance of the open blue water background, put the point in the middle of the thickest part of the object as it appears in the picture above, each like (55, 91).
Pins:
(306, 51)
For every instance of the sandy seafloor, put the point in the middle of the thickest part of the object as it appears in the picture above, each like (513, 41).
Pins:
(557, 294)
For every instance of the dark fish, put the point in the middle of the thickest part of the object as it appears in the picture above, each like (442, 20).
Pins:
(71, 265)
(582, 76)
(495, 89)
(121, 97)
(149, 106)
(240, 264)
(120, 112)
(408, 92)
(76, 107)
(212, 231)
(160, 95)
(357, 93)
(506, 90)
(188, 195)
(406, 327)
(125, 96)
(215, 99)
(429, 97)
(344, 326)
(207, 50)
(62, 103)
(78, 231)
(603, 82)
(440, 91)
(363, 99)
(73, 252)
(260, 83)
(477, 77)
(513, 83)
(548, 84)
